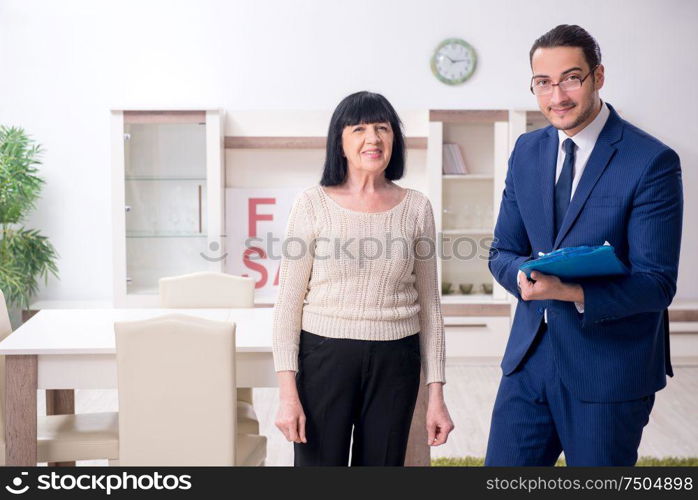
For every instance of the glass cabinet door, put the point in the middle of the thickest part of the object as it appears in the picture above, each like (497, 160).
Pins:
(165, 197)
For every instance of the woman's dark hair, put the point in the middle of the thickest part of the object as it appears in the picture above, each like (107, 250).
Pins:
(570, 35)
(361, 107)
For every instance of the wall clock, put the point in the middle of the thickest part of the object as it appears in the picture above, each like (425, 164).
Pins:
(453, 61)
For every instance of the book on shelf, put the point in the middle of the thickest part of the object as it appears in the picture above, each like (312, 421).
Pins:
(453, 162)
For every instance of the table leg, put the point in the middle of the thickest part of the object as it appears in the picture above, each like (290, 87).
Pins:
(20, 410)
(418, 451)
(60, 402)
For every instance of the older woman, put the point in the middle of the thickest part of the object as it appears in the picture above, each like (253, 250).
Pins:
(358, 312)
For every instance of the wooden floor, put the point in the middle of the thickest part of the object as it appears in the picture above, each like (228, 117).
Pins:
(470, 393)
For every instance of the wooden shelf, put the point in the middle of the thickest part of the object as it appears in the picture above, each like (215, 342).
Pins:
(468, 177)
(480, 116)
(535, 116)
(474, 231)
(416, 142)
(476, 309)
(174, 116)
(686, 311)
(258, 142)
(250, 142)
(468, 115)
(155, 178)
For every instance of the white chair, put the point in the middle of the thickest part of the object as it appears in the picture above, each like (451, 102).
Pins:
(63, 438)
(211, 290)
(207, 290)
(176, 378)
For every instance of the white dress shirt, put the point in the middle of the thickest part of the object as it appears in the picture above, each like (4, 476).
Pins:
(584, 142)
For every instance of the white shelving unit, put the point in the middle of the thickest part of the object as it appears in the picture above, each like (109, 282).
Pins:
(177, 208)
(466, 205)
(466, 209)
(168, 204)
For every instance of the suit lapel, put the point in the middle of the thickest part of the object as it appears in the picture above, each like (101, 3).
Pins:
(598, 161)
(548, 163)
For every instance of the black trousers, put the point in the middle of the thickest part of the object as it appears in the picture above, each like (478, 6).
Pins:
(368, 387)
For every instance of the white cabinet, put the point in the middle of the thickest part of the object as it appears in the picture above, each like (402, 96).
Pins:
(168, 205)
(466, 205)
(476, 336)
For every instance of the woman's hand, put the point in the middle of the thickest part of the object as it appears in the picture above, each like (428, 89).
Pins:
(290, 419)
(439, 423)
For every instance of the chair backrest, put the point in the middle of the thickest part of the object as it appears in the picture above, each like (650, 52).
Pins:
(206, 289)
(5, 330)
(176, 380)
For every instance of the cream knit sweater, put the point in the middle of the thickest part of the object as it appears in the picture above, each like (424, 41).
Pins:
(357, 275)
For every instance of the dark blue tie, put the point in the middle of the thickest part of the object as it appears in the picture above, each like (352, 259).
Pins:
(563, 188)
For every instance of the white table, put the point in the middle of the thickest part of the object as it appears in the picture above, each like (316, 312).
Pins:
(75, 349)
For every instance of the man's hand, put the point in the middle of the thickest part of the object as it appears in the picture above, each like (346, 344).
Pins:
(548, 287)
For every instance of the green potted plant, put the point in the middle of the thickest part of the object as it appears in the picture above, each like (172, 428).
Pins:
(25, 255)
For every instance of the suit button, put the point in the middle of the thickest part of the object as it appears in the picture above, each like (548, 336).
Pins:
(540, 310)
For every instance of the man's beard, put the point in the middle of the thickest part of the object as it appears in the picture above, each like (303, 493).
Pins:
(583, 117)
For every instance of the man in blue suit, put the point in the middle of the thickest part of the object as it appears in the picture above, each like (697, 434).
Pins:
(584, 359)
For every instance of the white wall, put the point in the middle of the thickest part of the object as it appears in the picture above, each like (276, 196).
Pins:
(65, 64)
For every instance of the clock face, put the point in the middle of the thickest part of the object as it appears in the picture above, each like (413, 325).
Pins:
(453, 61)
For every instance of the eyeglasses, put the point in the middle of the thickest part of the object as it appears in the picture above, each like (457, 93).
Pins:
(543, 86)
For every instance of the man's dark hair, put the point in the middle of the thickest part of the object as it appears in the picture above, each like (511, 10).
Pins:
(570, 35)
(361, 107)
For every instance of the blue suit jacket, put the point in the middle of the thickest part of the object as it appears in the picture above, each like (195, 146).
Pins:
(630, 195)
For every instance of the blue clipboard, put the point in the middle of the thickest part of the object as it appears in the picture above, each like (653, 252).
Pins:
(577, 262)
